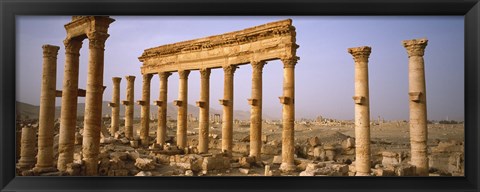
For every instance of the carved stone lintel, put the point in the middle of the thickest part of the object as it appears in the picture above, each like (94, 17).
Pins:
(124, 102)
(50, 51)
(97, 40)
(284, 100)
(72, 46)
(177, 103)
(289, 62)
(201, 104)
(224, 102)
(359, 99)
(360, 54)
(205, 73)
(415, 96)
(229, 70)
(183, 74)
(164, 75)
(158, 103)
(415, 47)
(252, 102)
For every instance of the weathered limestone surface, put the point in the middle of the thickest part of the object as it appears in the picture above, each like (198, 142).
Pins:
(68, 112)
(47, 107)
(418, 104)
(182, 104)
(288, 114)
(129, 133)
(227, 102)
(256, 110)
(204, 104)
(27, 150)
(145, 112)
(162, 108)
(115, 105)
(362, 110)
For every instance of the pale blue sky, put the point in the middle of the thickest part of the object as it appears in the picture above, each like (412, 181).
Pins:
(324, 75)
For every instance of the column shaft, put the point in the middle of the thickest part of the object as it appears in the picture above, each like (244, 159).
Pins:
(145, 112)
(129, 133)
(227, 102)
(162, 109)
(68, 114)
(256, 110)
(47, 107)
(288, 115)
(418, 104)
(93, 102)
(115, 105)
(182, 110)
(362, 110)
(27, 148)
(204, 104)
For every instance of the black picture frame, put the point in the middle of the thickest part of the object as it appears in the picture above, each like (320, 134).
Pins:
(9, 9)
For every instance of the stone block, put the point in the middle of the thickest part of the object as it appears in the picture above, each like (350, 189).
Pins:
(277, 159)
(145, 164)
(244, 171)
(314, 141)
(144, 173)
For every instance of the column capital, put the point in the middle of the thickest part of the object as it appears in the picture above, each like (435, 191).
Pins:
(257, 66)
(72, 46)
(130, 78)
(205, 73)
(289, 62)
(360, 54)
(183, 74)
(164, 75)
(415, 47)
(116, 79)
(147, 77)
(97, 40)
(50, 50)
(229, 69)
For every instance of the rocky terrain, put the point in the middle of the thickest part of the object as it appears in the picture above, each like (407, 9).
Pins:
(322, 149)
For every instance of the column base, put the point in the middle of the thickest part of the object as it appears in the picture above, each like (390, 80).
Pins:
(25, 164)
(40, 170)
(362, 174)
(91, 166)
(287, 167)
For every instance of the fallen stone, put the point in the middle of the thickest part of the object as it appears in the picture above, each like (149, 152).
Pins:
(145, 164)
(314, 141)
(244, 171)
(144, 173)
(188, 173)
(277, 159)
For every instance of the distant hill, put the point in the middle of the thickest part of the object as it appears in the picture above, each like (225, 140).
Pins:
(25, 110)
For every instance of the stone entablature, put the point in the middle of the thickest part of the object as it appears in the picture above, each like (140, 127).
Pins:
(265, 42)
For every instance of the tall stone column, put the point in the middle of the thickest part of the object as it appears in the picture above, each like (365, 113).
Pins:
(162, 108)
(418, 104)
(227, 102)
(93, 102)
(204, 104)
(288, 115)
(27, 148)
(129, 107)
(256, 110)
(47, 107)
(182, 104)
(115, 105)
(145, 112)
(362, 110)
(68, 113)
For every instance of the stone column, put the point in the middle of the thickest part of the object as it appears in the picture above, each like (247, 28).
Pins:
(288, 115)
(27, 150)
(227, 102)
(204, 104)
(362, 110)
(162, 108)
(68, 113)
(418, 104)
(256, 110)
(115, 105)
(182, 104)
(145, 113)
(93, 102)
(129, 133)
(47, 107)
